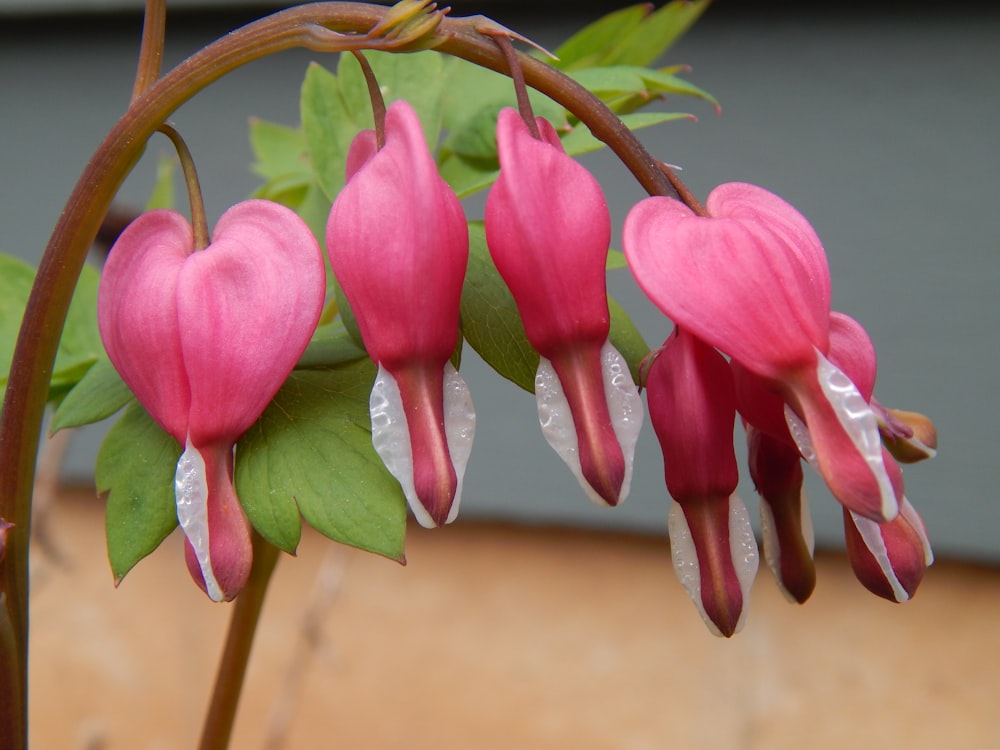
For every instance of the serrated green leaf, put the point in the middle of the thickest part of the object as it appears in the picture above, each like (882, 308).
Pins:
(98, 395)
(135, 469)
(327, 127)
(490, 320)
(588, 44)
(311, 453)
(420, 78)
(162, 195)
(280, 151)
(80, 345)
(648, 40)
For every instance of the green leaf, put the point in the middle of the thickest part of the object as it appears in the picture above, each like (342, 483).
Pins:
(330, 347)
(630, 36)
(587, 45)
(581, 141)
(311, 453)
(623, 81)
(279, 151)
(162, 195)
(135, 468)
(80, 345)
(616, 260)
(490, 320)
(99, 394)
(16, 278)
(327, 127)
(647, 41)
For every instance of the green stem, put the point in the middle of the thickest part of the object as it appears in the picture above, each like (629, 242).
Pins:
(218, 727)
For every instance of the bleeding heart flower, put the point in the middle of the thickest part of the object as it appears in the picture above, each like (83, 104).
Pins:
(399, 245)
(204, 340)
(692, 405)
(751, 279)
(548, 231)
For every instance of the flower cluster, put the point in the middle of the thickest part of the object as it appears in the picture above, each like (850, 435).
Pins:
(747, 277)
(744, 280)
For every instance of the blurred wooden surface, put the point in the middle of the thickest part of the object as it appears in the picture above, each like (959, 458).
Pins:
(499, 637)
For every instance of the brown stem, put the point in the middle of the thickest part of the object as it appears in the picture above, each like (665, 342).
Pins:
(199, 222)
(375, 94)
(520, 89)
(154, 26)
(218, 725)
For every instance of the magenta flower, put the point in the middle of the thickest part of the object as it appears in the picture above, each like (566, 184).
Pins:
(692, 406)
(548, 231)
(399, 245)
(751, 279)
(204, 340)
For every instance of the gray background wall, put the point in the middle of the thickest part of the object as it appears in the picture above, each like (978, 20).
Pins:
(880, 125)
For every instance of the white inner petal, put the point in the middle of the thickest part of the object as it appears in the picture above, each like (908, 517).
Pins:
(769, 537)
(191, 494)
(391, 435)
(871, 535)
(459, 427)
(742, 549)
(858, 420)
(624, 406)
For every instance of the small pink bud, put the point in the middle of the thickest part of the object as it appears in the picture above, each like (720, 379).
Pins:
(204, 340)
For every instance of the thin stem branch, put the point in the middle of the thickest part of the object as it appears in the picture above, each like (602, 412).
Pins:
(218, 727)
(375, 95)
(154, 27)
(199, 222)
(520, 89)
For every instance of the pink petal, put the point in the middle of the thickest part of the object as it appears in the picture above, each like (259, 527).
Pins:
(137, 315)
(398, 244)
(548, 231)
(852, 351)
(247, 307)
(750, 279)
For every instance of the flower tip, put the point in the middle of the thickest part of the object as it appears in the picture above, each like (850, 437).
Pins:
(715, 558)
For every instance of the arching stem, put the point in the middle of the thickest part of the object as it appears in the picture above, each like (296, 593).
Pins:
(199, 222)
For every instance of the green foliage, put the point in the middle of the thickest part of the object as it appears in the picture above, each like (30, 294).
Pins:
(135, 469)
(630, 36)
(99, 394)
(80, 346)
(311, 453)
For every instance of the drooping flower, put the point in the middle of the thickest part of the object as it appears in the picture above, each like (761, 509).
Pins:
(692, 406)
(548, 231)
(399, 245)
(888, 557)
(204, 339)
(751, 279)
